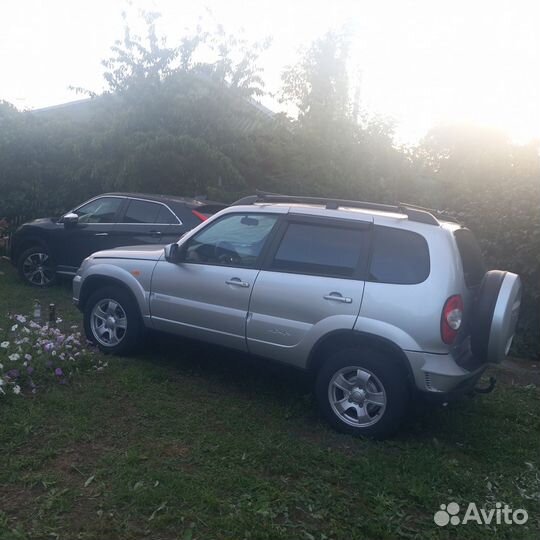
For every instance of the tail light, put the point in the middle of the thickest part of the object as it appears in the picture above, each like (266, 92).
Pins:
(202, 217)
(452, 316)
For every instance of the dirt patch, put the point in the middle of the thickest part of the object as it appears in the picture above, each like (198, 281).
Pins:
(515, 371)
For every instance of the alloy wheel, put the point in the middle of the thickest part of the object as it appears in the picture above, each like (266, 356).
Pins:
(108, 322)
(357, 396)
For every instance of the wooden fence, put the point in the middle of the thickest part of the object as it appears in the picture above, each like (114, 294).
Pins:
(7, 228)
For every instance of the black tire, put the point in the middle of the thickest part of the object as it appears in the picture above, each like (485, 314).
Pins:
(386, 375)
(36, 267)
(131, 337)
(482, 314)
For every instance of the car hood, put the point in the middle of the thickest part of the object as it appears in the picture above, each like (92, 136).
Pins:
(41, 222)
(146, 253)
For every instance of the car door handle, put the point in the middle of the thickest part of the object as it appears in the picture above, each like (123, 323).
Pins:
(338, 297)
(101, 234)
(238, 282)
(155, 233)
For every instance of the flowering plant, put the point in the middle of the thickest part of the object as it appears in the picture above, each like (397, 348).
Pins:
(34, 354)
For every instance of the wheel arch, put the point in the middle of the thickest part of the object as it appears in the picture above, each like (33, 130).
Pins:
(342, 339)
(26, 243)
(97, 281)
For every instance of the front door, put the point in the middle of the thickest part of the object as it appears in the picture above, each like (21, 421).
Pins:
(93, 232)
(207, 295)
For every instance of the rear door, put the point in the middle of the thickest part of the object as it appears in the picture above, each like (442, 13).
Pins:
(311, 284)
(148, 222)
(207, 295)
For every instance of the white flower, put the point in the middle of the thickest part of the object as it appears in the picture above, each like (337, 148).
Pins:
(14, 327)
(14, 357)
(1, 366)
(16, 389)
(25, 330)
(58, 320)
(54, 353)
(28, 357)
(20, 318)
(4, 344)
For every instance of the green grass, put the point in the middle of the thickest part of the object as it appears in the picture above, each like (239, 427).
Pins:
(191, 441)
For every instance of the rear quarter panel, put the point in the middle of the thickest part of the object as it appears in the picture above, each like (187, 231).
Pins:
(410, 315)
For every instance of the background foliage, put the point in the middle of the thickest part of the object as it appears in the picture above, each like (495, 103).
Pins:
(171, 123)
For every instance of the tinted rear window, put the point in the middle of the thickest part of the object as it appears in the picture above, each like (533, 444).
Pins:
(321, 250)
(165, 216)
(399, 256)
(141, 212)
(471, 257)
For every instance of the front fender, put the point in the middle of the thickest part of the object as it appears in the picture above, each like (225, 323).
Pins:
(135, 275)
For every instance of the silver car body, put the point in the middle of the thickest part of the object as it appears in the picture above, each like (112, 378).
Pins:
(283, 316)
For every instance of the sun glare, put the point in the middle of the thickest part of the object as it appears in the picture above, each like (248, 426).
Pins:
(419, 62)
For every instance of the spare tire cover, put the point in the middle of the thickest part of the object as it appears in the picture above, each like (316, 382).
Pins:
(495, 315)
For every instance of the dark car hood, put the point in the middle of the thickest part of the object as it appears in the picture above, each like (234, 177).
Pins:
(41, 222)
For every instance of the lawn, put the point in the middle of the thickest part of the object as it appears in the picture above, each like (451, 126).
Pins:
(188, 441)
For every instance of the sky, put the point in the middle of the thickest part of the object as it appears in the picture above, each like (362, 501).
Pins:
(419, 62)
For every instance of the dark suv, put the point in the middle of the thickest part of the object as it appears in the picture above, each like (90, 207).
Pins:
(43, 248)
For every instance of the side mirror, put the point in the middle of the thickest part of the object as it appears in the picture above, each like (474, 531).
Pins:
(70, 220)
(173, 253)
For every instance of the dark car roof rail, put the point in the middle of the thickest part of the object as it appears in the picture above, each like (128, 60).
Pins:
(414, 213)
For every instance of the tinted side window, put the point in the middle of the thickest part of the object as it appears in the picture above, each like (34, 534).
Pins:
(321, 250)
(399, 256)
(234, 240)
(471, 257)
(141, 212)
(166, 217)
(102, 210)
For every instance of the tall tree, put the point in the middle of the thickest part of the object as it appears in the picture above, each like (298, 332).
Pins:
(318, 85)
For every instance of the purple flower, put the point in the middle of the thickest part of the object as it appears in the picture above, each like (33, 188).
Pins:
(12, 373)
(48, 347)
(60, 339)
(30, 370)
(58, 371)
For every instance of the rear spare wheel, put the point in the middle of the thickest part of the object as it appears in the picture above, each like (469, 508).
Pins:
(495, 315)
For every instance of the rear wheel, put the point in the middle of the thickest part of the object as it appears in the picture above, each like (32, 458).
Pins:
(112, 321)
(36, 267)
(362, 392)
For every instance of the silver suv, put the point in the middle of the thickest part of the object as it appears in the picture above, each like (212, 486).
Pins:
(376, 301)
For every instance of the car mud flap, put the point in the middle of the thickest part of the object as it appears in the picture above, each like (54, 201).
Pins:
(488, 389)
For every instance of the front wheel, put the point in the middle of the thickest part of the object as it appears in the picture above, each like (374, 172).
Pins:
(362, 392)
(36, 267)
(112, 321)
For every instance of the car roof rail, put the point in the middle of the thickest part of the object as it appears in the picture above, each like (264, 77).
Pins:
(414, 213)
(440, 214)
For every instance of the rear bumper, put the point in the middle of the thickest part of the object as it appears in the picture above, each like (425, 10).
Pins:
(440, 374)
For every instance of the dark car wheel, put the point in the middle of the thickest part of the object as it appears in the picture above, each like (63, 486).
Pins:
(362, 392)
(112, 321)
(36, 267)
